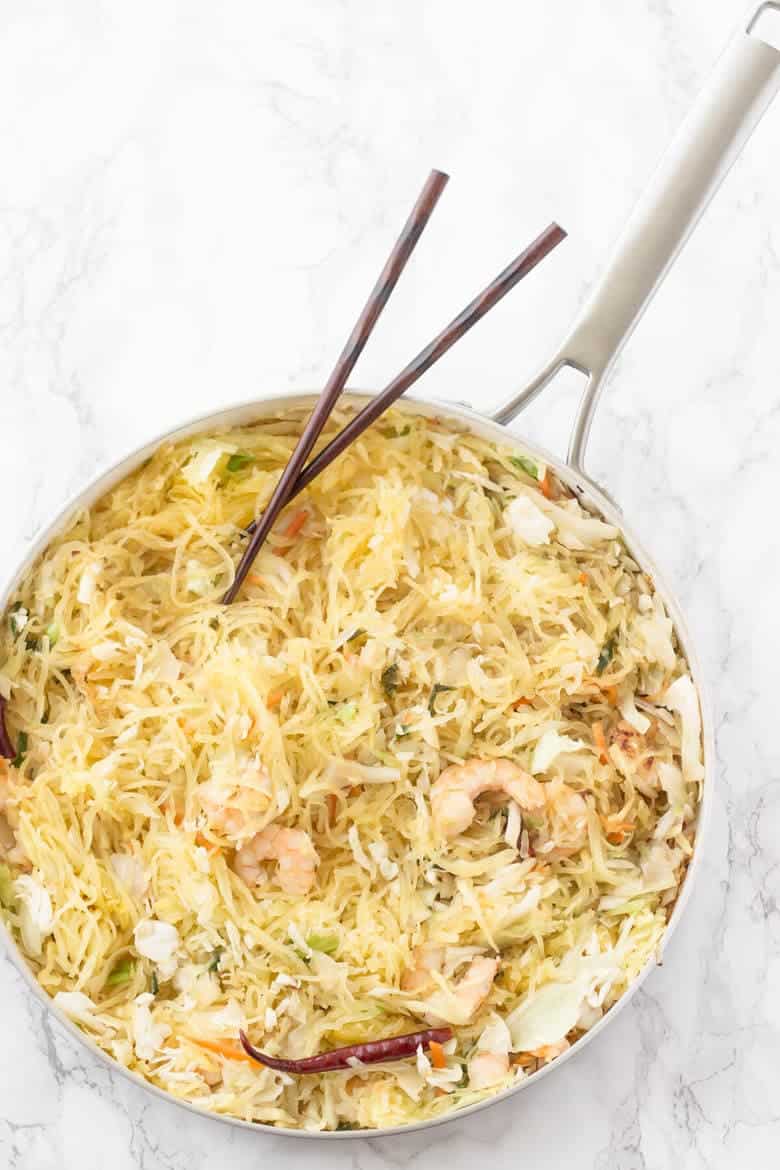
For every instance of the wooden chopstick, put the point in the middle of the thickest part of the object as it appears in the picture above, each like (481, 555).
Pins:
(490, 296)
(380, 294)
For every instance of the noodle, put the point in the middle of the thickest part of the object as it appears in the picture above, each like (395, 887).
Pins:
(438, 600)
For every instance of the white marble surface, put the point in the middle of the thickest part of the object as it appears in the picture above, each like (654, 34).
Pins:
(195, 197)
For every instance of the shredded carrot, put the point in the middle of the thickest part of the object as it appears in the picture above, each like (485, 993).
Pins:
(583, 578)
(547, 486)
(600, 741)
(274, 698)
(208, 845)
(170, 807)
(254, 579)
(227, 1048)
(518, 703)
(617, 831)
(332, 804)
(438, 1059)
(296, 523)
(612, 695)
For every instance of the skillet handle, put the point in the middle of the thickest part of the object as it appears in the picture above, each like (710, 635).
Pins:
(722, 119)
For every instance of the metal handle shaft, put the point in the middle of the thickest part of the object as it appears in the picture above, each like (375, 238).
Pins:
(724, 115)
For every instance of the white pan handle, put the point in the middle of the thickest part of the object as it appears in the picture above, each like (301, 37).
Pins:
(724, 115)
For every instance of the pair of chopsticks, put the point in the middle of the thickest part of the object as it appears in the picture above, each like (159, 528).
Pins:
(296, 475)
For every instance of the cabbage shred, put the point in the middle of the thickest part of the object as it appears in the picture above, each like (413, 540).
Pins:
(436, 605)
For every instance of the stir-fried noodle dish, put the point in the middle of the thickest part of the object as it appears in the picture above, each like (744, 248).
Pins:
(436, 771)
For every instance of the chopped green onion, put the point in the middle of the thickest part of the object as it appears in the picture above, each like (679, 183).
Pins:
(32, 643)
(353, 637)
(390, 679)
(21, 748)
(606, 656)
(239, 461)
(53, 634)
(155, 983)
(7, 895)
(346, 712)
(343, 1126)
(525, 464)
(122, 973)
(438, 689)
(215, 959)
(327, 943)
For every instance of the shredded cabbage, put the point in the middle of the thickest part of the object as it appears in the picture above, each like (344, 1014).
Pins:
(429, 605)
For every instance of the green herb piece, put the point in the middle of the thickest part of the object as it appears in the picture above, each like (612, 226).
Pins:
(122, 973)
(390, 679)
(155, 983)
(346, 712)
(606, 656)
(32, 643)
(343, 1126)
(327, 943)
(17, 618)
(353, 637)
(438, 689)
(53, 634)
(215, 959)
(525, 464)
(21, 748)
(239, 461)
(406, 431)
(7, 895)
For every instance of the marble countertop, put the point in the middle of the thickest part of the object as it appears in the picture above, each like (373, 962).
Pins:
(195, 200)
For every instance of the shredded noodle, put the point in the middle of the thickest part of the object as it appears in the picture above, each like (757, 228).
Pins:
(226, 817)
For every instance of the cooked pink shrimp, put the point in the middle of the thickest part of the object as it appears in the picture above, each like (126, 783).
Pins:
(428, 957)
(566, 828)
(454, 793)
(291, 848)
(548, 1052)
(556, 813)
(487, 1068)
(458, 1005)
(237, 806)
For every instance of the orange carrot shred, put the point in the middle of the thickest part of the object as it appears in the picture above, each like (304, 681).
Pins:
(600, 741)
(226, 1048)
(274, 698)
(583, 578)
(296, 523)
(332, 804)
(612, 695)
(254, 579)
(518, 703)
(438, 1059)
(546, 486)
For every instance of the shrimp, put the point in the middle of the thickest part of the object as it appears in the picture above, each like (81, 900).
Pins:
(548, 1052)
(487, 1069)
(293, 851)
(428, 958)
(454, 793)
(565, 831)
(237, 806)
(556, 813)
(456, 1006)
